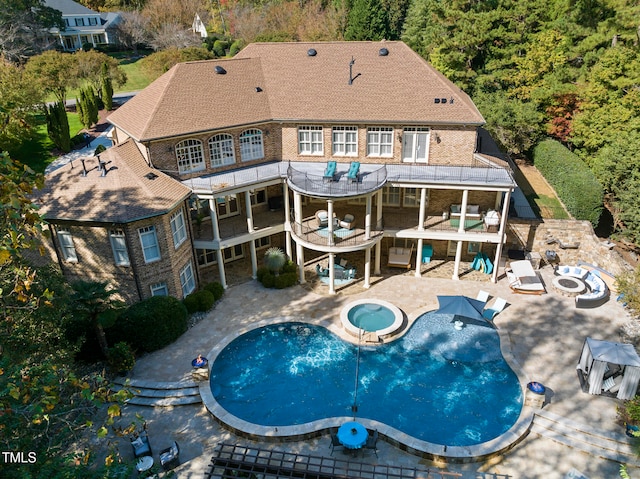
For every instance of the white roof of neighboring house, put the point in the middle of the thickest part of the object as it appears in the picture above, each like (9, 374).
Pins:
(69, 7)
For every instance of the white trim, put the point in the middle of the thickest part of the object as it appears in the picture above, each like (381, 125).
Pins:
(145, 233)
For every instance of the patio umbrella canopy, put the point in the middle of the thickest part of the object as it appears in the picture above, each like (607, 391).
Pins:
(461, 306)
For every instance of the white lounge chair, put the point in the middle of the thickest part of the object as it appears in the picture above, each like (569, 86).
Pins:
(523, 278)
(497, 307)
(483, 296)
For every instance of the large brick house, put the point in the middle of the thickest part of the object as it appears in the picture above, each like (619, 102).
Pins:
(244, 150)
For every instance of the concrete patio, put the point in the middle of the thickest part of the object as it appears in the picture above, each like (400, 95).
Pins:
(546, 334)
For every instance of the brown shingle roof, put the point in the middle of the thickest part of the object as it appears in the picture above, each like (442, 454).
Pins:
(123, 195)
(397, 88)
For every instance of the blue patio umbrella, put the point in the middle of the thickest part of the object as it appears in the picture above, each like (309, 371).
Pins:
(461, 306)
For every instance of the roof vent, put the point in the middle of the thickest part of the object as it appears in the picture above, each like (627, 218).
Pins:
(311, 52)
(219, 70)
(151, 176)
(258, 89)
(436, 100)
(383, 52)
(444, 100)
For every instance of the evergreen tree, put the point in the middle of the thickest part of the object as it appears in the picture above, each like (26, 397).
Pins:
(58, 126)
(367, 21)
(88, 107)
(107, 88)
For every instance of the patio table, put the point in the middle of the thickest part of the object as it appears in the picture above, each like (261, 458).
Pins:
(352, 435)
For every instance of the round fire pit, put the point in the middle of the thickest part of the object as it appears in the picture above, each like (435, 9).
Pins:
(568, 285)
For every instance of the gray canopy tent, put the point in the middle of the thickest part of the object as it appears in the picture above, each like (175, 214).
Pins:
(610, 367)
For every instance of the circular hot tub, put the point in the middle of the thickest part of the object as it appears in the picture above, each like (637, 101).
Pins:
(371, 316)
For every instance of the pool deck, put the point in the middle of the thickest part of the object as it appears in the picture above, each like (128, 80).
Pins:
(545, 335)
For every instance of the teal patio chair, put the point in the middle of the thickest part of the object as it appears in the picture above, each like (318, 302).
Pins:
(354, 169)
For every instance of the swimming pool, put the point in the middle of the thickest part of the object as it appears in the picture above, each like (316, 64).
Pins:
(435, 384)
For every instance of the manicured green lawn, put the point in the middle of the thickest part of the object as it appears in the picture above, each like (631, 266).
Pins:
(37, 153)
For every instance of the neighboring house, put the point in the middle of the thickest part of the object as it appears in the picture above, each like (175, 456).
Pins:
(249, 141)
(83, 25)
(199, 27)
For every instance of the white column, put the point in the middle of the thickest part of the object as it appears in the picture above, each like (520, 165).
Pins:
(216, 237)
(378, 256)
(367, 219)
(463, 210)
(456, 265)
(367, 268)
(250, 229)
(421, 215)
(297, 207)
(332, 274)
(287, 222)
(330, 222)
(501, 235)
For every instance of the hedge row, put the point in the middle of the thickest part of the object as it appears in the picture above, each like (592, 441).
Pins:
(573, 181)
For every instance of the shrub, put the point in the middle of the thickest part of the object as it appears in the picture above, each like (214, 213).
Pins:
(573, 181)
(235, 48)
(200, 301)
(285, 280)
(121, 357)
(151, 324)
(275, 259)
(290, 267)
(216, 289)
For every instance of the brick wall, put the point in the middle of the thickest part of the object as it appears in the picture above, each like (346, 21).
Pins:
(96, 261)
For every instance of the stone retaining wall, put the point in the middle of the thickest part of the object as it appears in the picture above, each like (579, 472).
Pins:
(535, 235)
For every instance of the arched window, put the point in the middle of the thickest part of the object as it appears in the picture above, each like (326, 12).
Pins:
(221, 148)
(190, 156)
(251, 145)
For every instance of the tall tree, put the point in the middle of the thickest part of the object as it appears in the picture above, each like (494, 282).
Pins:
(106, 88)
(56, 72)
(96, 302)
(367, 21)
(22, 23)
(58, 125)
(19, 99)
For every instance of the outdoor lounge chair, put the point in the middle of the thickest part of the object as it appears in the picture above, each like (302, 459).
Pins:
(141, 446)
(523, 278)
(354, 169)
(347, 222)
(170, 457)
(483, 296)
(330, 172)
(400, 257)
(497, 307)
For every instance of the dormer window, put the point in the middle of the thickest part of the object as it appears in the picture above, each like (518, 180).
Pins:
(79, 22)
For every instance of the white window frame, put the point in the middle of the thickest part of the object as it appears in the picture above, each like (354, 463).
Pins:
(264, 242)
(187, 279)
(93, 21)
(411, 197)
(233, 253)
(310, 140)
(159, 289)
(178, 228)
(190, 155)
(227, 206)
(258, 197)
(67, 248)
(380, 141)
(415, 144)
(391, 196)
(119, 247)
(251, 145)
(344, 140)
(149, 232)
(222, 150)
(207, 257)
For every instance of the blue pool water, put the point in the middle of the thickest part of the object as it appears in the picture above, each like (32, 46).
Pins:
(371, 317)
(435, 383)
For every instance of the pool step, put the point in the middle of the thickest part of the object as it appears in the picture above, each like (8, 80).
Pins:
(155, 393)
(612, 446)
